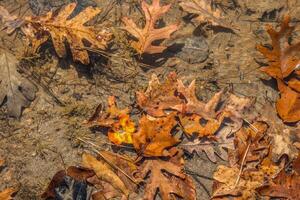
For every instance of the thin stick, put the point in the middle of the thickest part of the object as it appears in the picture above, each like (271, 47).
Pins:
(108, 162)
(241, 168)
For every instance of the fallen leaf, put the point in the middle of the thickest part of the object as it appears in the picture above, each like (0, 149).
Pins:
(11, 22)
(288, 105)
(120, 125)
(17, 91)
(219, 146)
(204, 11)
(149, 33)
(227, 185)
(281, 134)
(194, 124)
(60, 27)
(7, 194)
(282, 58)
(159, 97)
(171, 184)
(285, 186)
(104, 172)
(193, 105)
(294, 84)
(154, 137)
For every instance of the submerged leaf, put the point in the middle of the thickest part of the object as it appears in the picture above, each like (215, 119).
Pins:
(149, 33)
(17, 91)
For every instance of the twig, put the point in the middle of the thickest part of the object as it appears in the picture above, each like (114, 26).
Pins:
(242, 164)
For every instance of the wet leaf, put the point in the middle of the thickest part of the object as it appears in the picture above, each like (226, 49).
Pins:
(15, 89)
(204, 11)
(60, 28)
(149, 33)
(159, 97)
(167, 178)
(154, 137)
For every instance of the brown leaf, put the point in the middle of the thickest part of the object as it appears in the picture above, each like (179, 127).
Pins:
(294, 84)
(288, 106)
(60, 28)
(255, 137)
(7, 194)
(205, 12)
(285, 186)
(149, 33)
(17, 90)
(171, 184)
(212, 148)
(104, 172)
(282, 57)
(11, 22)
(243, 190)
(159, 97)
(56, 180)
(281, 134)
(154, 135)
(193, 105)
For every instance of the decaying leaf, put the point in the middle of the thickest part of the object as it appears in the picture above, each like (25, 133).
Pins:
(219, 146)
(194, 124)
(288, 105)
(286, 186)
(167, 178)
(282, 135)
(149, 33)
(15, 89)
(282, 58)
(159, 97)
(60, 28)
(227, 184)
(120, 125)
(7, 194)
(254, 142)
(193, 105)
(204, 11)
(11, 22)
(154, 135)
(104, 172)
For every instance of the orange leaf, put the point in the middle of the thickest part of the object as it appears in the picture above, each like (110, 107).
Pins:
(294, 84)
(154, 135)
(7, 194)
(149, 33)
(288, 106)
(282, 57)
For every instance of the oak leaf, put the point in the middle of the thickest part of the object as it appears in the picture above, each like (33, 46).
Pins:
(154, 136)
(17, 90)
(288, 105)
(204, 11)
(120, 125)
(283, 58)
(285, 186)
(219, 146)
(149, 33)
(60, 28)
(167, 178)
(159, 97)
(193, 105)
